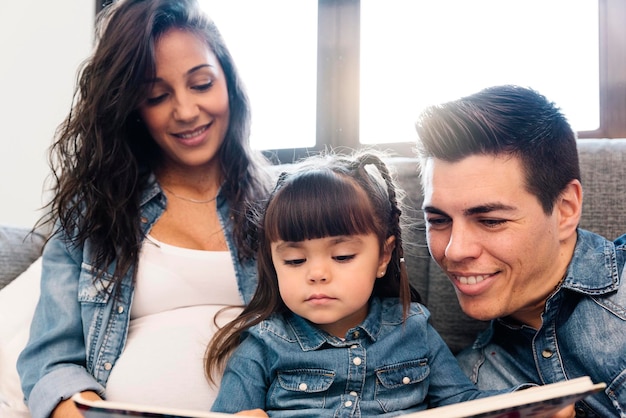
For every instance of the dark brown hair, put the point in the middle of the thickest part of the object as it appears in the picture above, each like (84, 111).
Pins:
(509, 120)
(102, 156)
(323, 197)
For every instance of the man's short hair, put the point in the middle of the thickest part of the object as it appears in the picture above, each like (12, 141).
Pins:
(509, 120)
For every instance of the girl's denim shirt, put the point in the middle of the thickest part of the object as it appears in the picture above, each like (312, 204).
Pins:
(583, 333)
(78, 331)
(383, 367)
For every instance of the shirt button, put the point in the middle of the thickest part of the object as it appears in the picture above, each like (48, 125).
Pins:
(547, 353)
(302, 386)
(357, 361)
(348, 404)
(406, 380)
(120, 309)
(353, 346)
(356, 334)
(144, 220)
(353, 393)
(108, 366)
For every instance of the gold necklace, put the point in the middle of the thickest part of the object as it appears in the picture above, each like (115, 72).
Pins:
(188, 199)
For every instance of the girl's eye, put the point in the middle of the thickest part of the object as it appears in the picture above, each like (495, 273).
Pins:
(294, 262)
(342, 258)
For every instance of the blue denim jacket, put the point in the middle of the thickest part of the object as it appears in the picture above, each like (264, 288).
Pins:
(384, 367)
(583, 333)
(78, 332)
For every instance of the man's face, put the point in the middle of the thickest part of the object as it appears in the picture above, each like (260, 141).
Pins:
(502, 253)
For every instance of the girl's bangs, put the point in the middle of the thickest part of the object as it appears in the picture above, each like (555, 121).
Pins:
(318, 204)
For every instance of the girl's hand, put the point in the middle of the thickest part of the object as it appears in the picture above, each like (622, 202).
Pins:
(567, 412)
(68, 409)
(261, 413)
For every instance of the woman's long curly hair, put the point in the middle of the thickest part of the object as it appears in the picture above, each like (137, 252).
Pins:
(322, 198)
(102, 156)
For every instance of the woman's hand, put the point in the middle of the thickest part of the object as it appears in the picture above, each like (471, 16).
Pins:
(68, 409)
(261, 413)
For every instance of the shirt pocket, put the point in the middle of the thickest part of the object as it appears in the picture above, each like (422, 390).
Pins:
(301, 388)
(402, 385)
(92, 290)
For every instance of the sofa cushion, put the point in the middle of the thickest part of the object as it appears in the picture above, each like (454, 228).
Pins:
(18, 249)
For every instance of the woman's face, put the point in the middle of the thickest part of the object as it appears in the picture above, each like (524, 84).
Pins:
(186, 109)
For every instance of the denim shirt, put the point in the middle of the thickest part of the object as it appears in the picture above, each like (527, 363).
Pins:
(583, 333)
(78, 332)
(384, 367)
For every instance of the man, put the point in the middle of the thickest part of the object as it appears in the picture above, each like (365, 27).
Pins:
(502, 202)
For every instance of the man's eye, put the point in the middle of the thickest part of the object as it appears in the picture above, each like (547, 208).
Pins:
(294, 262)
(492, 223)
(437, 222)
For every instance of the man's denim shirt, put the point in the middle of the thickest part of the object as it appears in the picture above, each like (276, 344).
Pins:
(78, 331)
(583, 333)
(383, 367)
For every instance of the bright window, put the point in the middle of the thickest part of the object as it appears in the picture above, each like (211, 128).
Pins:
(417, 53)
(274, 45)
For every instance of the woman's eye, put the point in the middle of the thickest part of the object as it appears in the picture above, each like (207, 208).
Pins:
(203, 87)
(151, 101)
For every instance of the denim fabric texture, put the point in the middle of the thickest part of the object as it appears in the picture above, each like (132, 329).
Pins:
(384, 367)
(79, 331)
(583, 333)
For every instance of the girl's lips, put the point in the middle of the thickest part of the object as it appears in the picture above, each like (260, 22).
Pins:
(319, 299)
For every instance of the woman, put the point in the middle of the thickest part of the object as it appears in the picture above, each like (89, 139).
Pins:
(154, 175)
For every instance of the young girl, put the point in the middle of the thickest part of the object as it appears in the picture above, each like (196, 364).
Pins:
(334, 328)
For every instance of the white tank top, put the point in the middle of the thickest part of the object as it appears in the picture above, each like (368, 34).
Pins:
(178, 291)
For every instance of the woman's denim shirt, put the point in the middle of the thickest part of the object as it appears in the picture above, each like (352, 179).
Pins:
(384, 367)
(78, 331)
(583, 333)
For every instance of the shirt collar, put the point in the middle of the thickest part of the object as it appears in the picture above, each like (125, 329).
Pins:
(310, 337)
(594, 268)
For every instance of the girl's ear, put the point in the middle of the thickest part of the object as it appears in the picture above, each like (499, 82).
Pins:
(385, 257)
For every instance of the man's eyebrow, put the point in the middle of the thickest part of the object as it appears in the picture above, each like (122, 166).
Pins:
(476, 210)
(191, 71)
(487, 208)
(433, 210)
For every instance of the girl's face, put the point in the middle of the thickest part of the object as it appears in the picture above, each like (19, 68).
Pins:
(186, 110)
(329, 280)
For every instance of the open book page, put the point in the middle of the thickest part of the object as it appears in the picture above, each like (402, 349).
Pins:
(540, 401)
(108, 409)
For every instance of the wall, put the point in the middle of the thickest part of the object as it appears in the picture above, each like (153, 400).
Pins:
(41, 46)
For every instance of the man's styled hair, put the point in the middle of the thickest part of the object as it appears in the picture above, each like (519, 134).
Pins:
(509, 120)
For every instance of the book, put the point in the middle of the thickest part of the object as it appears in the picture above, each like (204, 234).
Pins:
(539, 401)
(536, 401)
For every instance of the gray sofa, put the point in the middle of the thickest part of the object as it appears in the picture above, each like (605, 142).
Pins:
(604, 211)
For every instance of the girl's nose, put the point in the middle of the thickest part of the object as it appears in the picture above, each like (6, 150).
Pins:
(318, 274)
